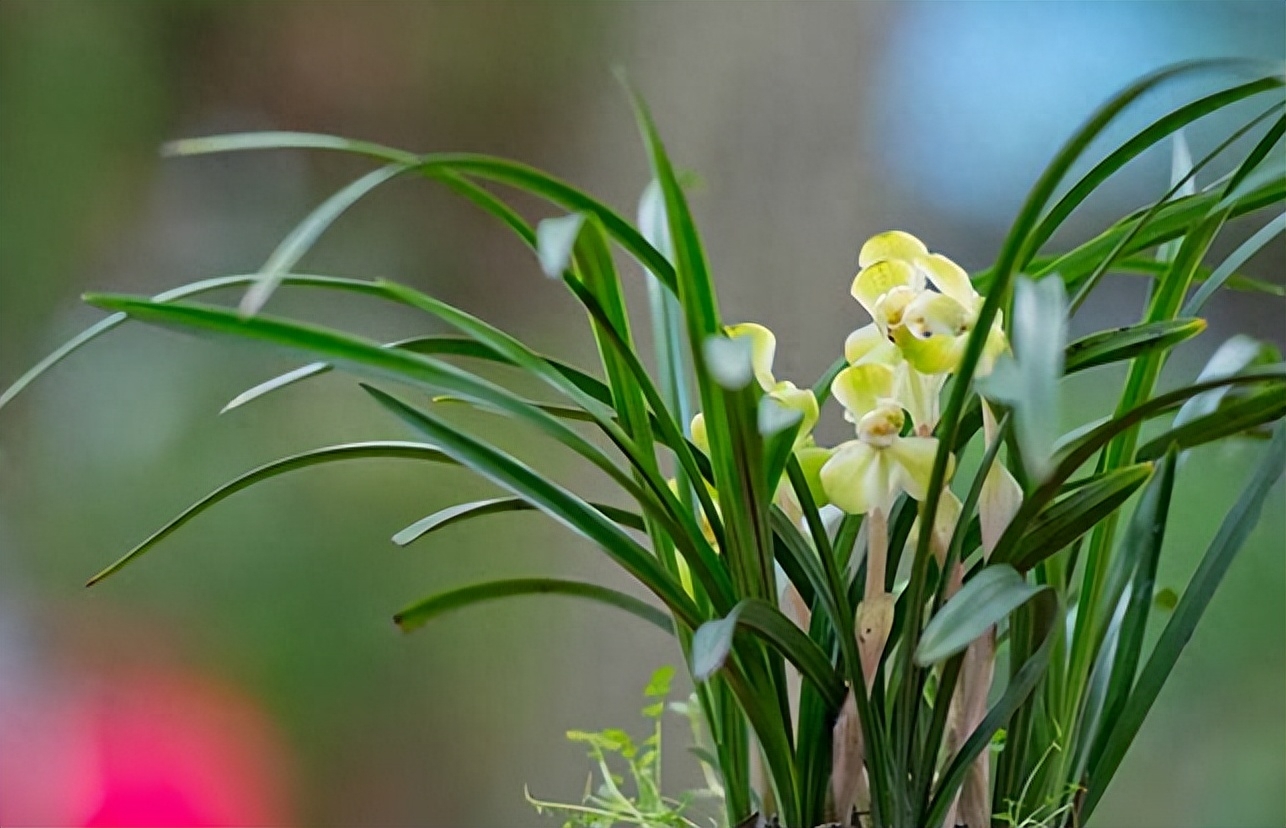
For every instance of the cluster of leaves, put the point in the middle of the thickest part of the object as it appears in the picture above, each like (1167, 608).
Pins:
(608, 804)
(1068, 595)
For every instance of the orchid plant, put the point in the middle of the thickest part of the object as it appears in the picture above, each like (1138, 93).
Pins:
(876, 637)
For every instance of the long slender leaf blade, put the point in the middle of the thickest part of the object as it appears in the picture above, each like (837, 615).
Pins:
(1076, 513)
(1232, 534)
(462, 512)
(306, 233)
(714, 641)
(554, 500)
(1228, 267)
(114, 321)
(329, 454)
(984, 600)
(422, 612)
(1235, 417)
(1120, 344)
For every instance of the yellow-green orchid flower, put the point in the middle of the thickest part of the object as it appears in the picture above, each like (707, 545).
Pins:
(869, 472)
(763, 350)
(930, 327)
(919, 393)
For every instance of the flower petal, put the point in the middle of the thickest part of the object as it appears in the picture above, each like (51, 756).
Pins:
(859, 387)
(857, 478)
(763, 349)
(879, 278)
(935, 313)
(935, 355)
(951, 279)
(892, 244)
(869, 344)
(697, 430)
(913, 459)
(801, 400)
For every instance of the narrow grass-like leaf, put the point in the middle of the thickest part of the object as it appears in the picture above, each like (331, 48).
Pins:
(1229, 266)
(1155, 132)
(713, 642)
(1045, 615)
(329, 454)
(1232, 356)
(549, 497)
(984, 600)
(1080, 451)
(1142, 548)
(306, 234)
(436, 344)
(285, 140)
(1120, 344)
(422, 612)
(467, 511)
(194, 289)
(1234, 530)
(1230, 418)
(1076, 513)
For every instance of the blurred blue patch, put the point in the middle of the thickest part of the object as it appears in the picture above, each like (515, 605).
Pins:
(975, 98)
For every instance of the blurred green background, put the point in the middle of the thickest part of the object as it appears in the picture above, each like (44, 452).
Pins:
(811, 126)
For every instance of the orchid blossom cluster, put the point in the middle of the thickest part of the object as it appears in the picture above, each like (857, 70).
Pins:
(923, 308)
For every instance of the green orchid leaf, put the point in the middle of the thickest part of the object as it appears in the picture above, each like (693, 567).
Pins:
(713, 643)
(550, 498)
(1121, 344)
(1232, 417)
(1232, 534)
(467, 511)
(329, 454)
(1076, 513)
(422, 612)
(986, 599)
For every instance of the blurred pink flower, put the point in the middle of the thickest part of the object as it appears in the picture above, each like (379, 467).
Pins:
(154, 748)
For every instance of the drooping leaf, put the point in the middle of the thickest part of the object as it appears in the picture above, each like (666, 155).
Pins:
(713, 642)
(1232, 534)
(1231, 417)
(1229, 266)
(984, 600)
(347, 451)
(549, 497)
(498, 505)
(306, 233)
(1076, 513)
(422, 612)
(1126, 343)
(194, 289)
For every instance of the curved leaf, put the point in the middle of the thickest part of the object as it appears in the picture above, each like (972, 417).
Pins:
(435, 344)
(712, 643)
(347, 451)
(1077, 512)
(1234, 530)
(549, 497)
(467, 511)
(194, 289)
(1120, 344)
(1235, 417)
(422, 612)
(306, 233)
(984, 600)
